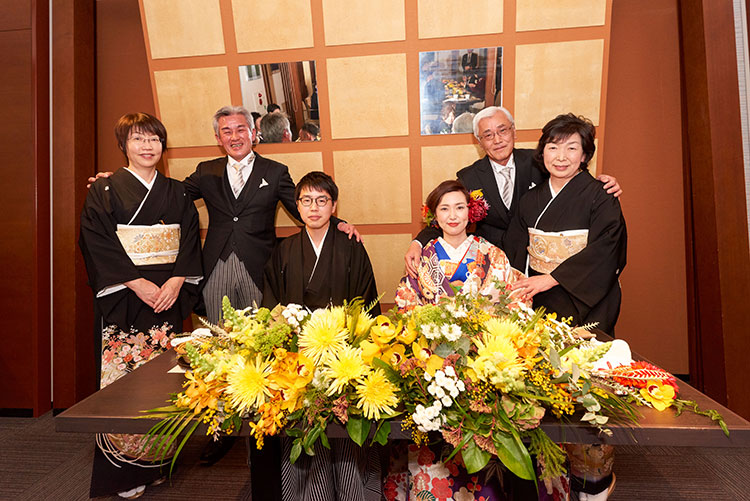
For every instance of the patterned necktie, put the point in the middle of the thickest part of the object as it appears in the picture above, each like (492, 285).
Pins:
(508, 187)
(239, 182)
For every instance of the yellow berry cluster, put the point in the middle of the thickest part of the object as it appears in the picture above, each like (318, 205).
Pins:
(418, 437)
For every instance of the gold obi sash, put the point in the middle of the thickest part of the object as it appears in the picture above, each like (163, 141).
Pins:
(156, 244)
(548, 249)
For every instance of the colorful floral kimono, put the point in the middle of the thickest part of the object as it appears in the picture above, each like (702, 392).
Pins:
(476, 264)
(418, 472)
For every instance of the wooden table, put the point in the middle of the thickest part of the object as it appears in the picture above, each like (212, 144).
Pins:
(117, 408)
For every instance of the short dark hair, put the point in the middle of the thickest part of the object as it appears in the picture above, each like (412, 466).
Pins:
(317, 180)
(272, 107)
(561, 128)
(139, 122)
(311, 129)
(255, 115)
(433, 199)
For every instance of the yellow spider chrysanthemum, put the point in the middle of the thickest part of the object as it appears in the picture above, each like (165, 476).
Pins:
(343, 366)
(324, 333)
(506, 329)
(247, 383)
(497, 359)
(376, 395)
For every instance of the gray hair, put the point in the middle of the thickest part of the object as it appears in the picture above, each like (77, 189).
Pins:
(490, 111)
(227, 111)
(463, 123)
(273, 126)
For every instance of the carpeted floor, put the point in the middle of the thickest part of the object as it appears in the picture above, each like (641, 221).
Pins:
(36, 463)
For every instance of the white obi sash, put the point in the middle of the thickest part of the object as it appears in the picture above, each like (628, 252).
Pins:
(155, 244)
(548, 249)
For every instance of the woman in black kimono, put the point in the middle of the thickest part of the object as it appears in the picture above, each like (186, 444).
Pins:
(570, 237)
(140, 241)
(569, 234)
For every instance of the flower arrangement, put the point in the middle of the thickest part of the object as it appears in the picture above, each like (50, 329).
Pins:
(467, 371)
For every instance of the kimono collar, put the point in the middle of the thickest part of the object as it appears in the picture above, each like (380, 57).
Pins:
(145, 183)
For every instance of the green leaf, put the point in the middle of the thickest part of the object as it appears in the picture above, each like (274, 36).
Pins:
(463, 345)
(390, 373)
(324, 440)
(188, 434)
(443, 350)
(294, 432)
(467, 436)
(514, 455)
(310, 439)
(382, 433)
(475, 458)
(296, 450)
(554, 358)
(358, 429)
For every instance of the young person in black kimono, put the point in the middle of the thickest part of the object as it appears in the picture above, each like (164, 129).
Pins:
(318, 267)
(570, 237)
(140, 242)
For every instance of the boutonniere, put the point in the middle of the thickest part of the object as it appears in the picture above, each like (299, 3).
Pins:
(263, 183)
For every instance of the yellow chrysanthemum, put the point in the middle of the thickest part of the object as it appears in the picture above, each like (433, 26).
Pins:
(247, 383)
(497, 359)
(323, 334)
(376, 395)
(344, 366)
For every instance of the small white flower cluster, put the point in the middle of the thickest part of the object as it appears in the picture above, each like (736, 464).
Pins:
(457, 312)
(294, 314)
(319, 380)
(451, 332)
(445, 387)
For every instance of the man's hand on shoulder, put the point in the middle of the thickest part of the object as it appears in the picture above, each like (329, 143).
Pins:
(98, 175)
(610, 184)
(350, 230)
(412, 257)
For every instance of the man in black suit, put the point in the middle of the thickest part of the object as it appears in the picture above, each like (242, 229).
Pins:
(504, 175)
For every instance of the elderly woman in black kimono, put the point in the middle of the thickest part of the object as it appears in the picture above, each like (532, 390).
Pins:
(140, 241)
(570, 237)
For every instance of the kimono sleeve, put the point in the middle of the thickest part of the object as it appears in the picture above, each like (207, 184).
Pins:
(516, 240)
(589, 275)
(107, 263)
(363, 278)
(188, 262)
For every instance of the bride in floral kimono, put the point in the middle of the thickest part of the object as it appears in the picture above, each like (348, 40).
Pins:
(456, 261)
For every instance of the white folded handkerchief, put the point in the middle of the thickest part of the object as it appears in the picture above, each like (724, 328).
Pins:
(532, 185)
(263, 183)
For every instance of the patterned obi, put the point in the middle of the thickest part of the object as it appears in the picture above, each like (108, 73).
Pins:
(548, 249)
(155, 244)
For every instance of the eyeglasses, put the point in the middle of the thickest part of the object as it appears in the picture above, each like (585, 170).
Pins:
(319, 201)
(503, 132)
(140, 140)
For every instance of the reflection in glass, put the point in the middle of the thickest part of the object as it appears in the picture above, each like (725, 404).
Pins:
(456, 84)
(291, 86)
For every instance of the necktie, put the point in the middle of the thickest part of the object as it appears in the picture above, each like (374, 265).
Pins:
(507, 193)
(239, 182)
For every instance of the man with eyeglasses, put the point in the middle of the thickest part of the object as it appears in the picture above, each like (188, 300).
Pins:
(504, 175)
(318, 267)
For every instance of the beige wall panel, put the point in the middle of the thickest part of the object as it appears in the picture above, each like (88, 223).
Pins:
(362, 21)
(180, 168)
(442, 162)
(554, 78)
(179, 28)
(387, 257)
(373, 185)
(593, 169)
(272, 25)
(368, 96)
(545, 15)
(299, 164)
(450, 18)
(188, 100)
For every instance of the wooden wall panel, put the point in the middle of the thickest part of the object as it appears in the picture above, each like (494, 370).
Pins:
(16, 15)
(24, 110)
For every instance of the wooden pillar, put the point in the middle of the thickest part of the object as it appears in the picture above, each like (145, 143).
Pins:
(74, 160)
(716, 217)
(25, 253)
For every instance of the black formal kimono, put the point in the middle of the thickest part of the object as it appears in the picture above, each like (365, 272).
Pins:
(589, 289)
(343, 271)
(294, 274)
(480, 175)
(119, 212)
